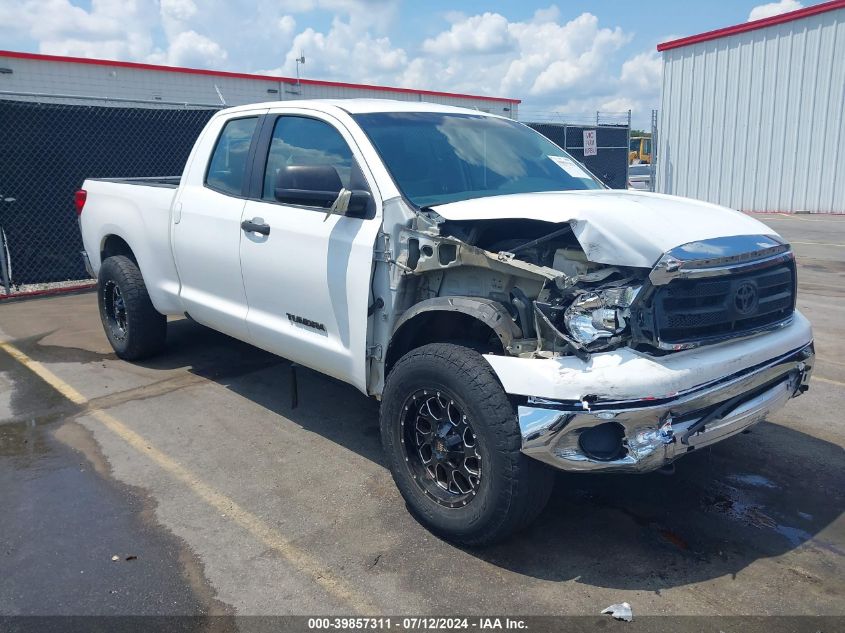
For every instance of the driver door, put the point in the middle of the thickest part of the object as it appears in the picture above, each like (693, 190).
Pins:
(307, 276)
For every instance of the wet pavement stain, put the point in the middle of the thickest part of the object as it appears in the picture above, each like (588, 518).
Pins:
(651, 532)
(64, 518)
(54, 559)
(744, 500)
(30, 398)
(34, 347)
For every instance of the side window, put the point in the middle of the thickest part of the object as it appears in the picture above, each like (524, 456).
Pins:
(228, 161)
(300, 141)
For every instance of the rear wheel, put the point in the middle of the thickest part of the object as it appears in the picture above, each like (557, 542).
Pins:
(133, 326)
(453, 444)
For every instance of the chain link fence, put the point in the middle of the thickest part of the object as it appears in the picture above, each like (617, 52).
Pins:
(48, 149)
(609, 163)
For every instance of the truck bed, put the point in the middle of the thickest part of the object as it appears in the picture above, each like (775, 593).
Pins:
(138, 211)
(169, 182)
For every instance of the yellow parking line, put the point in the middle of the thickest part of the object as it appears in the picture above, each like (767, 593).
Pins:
(45, 374)
(828, 380)
(825, 359)
(817, 243)
(263, 532)
(826, 217)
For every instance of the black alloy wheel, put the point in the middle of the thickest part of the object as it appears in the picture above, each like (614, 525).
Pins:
(441, 448)
(115, 310)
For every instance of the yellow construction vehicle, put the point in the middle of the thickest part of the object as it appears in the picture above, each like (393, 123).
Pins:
(640, 150)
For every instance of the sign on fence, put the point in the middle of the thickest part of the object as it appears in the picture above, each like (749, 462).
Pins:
(610, 164)
(590, 147)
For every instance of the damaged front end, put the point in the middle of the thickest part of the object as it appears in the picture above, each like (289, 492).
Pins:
(561, 303)
(613, 367)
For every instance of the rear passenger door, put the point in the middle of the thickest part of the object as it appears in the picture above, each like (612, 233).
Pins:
(206, 225)
(307, 279)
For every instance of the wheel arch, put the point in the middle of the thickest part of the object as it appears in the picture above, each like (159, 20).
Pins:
(447, 319)
(113, 244)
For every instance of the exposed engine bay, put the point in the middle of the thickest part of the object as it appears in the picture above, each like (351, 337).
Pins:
(562, 303)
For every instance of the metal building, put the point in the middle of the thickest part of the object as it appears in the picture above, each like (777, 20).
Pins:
(753, 115)
(35, 77)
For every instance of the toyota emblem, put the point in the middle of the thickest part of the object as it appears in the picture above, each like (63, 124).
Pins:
(745, 298)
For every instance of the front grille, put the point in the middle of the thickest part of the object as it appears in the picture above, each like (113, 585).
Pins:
(695, 310)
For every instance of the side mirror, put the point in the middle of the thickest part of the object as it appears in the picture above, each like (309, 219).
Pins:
(312, 185)
(318, 186)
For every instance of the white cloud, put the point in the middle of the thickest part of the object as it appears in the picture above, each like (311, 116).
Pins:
(110, 29)
(568, 53)
(642, 72)
(287, 25)
(487, 33)
(116, 29)
(191, 49)
(773, 8)
(178, 9)
(549, 14)
(346, 51)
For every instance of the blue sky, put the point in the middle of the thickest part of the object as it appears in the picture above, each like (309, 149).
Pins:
(573, 57)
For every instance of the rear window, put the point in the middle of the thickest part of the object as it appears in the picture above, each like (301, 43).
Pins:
(639, 170)
(228, 161)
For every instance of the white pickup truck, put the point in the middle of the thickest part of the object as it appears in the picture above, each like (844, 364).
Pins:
(509, 311)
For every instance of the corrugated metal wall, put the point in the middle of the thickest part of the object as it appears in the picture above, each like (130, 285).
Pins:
(756, 120)
(115, 82)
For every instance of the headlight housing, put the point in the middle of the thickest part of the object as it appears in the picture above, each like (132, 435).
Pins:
(599, 314)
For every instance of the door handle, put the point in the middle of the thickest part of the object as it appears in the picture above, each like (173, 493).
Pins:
(249, 226)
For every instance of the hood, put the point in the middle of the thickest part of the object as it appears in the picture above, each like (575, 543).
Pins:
(615, 227)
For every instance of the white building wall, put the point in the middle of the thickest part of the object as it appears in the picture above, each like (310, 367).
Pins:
(151, 87)
(756, 120)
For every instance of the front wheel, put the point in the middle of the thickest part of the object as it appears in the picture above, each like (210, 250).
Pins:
(133, 326)
(453, 445)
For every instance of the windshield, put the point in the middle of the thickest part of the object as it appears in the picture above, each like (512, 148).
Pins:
(639, 170)
(437, 158)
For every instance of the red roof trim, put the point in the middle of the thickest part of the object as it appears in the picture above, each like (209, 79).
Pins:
(753, 26)
(223, 73)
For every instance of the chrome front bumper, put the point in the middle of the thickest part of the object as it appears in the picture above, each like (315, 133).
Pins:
(654, 433)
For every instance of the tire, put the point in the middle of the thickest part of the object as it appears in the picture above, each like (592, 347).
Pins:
(133, 326)
(449, 382)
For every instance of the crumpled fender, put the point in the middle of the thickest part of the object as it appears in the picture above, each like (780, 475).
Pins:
(491, 313)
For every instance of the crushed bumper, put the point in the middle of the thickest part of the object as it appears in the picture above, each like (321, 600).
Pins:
(644, 435)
